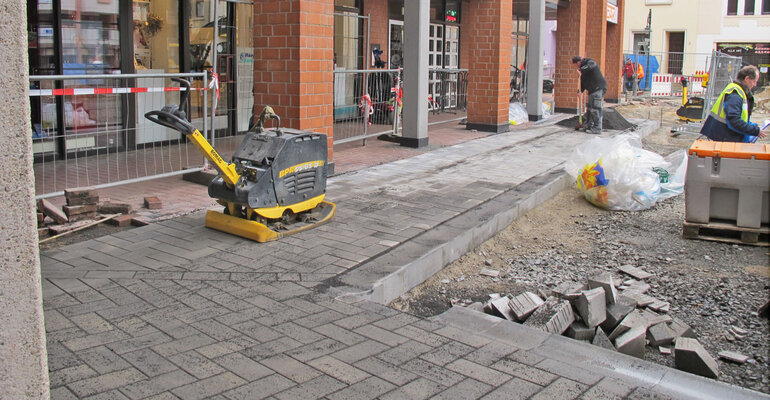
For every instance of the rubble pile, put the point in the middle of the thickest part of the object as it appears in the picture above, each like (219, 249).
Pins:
(82, 209)
(611, 313)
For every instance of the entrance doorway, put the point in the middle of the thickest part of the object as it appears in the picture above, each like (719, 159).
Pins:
(675, 52)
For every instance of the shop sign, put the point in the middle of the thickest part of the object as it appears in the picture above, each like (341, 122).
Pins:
(246, 58)
(612, 13)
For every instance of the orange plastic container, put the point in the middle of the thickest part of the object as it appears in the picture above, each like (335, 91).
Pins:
(728, 182)
(744, 151)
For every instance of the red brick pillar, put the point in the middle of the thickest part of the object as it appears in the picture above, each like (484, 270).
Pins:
(596, 30)
(570, 41)
(378, 20)
(294, 63)
(488, 24)
(613, 64)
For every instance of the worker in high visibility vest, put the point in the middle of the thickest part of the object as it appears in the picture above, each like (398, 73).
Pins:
(730, 118)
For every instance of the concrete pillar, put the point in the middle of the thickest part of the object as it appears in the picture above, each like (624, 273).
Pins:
(535, 59)
(416, 24)
(488, 23)
(613, 65)
(24, 361)
(294, 63)
(570, 41)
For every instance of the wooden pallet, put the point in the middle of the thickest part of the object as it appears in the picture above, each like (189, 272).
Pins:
(728, 233)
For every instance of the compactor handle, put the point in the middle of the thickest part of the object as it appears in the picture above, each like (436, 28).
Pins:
(184, 96)
(170, 120)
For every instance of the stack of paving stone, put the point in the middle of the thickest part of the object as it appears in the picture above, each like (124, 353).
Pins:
(82, 207)
(607, 312)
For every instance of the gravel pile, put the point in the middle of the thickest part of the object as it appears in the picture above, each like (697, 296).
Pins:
(715, 288)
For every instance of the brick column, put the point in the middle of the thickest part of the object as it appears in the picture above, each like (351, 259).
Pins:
(613, 64)
(570, 41)
(596, 30)
(294, 63)
(23, 357)
(488, 24)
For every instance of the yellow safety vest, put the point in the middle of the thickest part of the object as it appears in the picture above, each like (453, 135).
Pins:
(718, 111)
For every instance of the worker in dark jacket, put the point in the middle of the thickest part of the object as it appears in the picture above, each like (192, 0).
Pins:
(593, 82)
(730, 118)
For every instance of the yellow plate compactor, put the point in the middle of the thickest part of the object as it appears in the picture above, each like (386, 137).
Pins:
(275, 184)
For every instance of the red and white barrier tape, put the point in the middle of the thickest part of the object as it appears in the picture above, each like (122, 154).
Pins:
(120, 90)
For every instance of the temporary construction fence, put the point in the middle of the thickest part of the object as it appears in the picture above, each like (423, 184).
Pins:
(90, 130)
(368, 103)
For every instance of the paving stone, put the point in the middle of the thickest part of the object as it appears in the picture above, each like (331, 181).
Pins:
(74, 373)
(105, 382)
(632, 342)
(579, 331)
(149, 362)
(600, 339)
(634, 319)
(608, 389)
(314, 389)
(500, 307)
(380, 335)
(660, 335)
(196, 364)
(52, 211)
(680, 329)
(152, 203)
(641, 299)
(290, 368)
(447, 353)
(430, 371)
(157, 384)
(370, 388)
(478, 372)
(72, 194)
(404, 352)
(636, 273)
(515, 389)
(691, 356)
(553, 316)
(523, 371)
(315, 350)
(561, 388)
(490, 353)
(391, 373)
(615, 313)
(733, 356)
(606, 282)
(591, 306)
(103, 360)
(80, 209)
(422, 388)
(524, 304)
(263, 388)
(109, 207)
(568, 290)
(360, 351)
(209, 387)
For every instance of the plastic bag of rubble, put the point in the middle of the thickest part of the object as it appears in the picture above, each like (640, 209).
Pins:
(618, 174)
(517, 114)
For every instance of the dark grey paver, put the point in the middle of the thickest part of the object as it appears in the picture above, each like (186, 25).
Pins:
(313, 389)
(608, 388)
(339, 370)
(415, 390)
(479, 372)
(243, 366)
(209, 387)
(433, 372)
(196, 364)
(103, 360)
(157, 384)
(447, 353)
(467, 389)
(370, 388)
(149, 362)
(290, 368)
(561, 389)
(514, 389)
(523, 371)
(105, 382)
(262, 388)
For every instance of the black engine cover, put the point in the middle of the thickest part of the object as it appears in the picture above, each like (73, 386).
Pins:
(276, 170)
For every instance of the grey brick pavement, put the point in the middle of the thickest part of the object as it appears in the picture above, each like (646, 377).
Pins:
(174, 310)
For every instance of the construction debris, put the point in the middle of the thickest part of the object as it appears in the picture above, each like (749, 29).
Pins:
(633, 319)
(733, 356)
(82, 210)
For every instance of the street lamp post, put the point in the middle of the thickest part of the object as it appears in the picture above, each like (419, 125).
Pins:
(648, 28)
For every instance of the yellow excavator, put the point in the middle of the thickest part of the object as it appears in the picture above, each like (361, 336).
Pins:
(274, 185)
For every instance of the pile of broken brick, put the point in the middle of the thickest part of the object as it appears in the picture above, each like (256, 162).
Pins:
(82, 209)
(611, 314)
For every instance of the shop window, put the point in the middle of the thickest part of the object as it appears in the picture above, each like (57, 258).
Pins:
(732, 7)
(156, 35)
(452, 11)
(765, 7)
(748, 7)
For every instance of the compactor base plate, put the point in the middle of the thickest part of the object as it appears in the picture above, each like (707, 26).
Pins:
(272, 229)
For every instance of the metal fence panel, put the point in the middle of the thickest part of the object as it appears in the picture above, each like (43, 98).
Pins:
(90, 130)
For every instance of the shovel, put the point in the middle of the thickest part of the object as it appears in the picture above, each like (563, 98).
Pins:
(579, 111)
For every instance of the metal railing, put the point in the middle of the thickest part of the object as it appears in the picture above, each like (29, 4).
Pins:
(662, 73)
(90, 130)
(366, 101)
